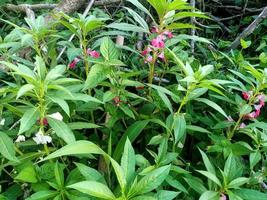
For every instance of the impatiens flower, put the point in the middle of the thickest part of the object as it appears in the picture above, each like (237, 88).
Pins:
(148, 59)
(247, 95)
(146, 51)
(223, 197)
(56, 116)
(161, 56)
(261, 99)
(2, 122)
(158, 43)
(93, 53)
(252, 115)
(154, 29)
(257, 107)
(117, 100)
(168, 34)
(45, 121)
(74, 62)
(242, 125)
(20, 138)
(40, 138)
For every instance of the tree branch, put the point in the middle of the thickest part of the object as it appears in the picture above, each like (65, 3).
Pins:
(250, 28)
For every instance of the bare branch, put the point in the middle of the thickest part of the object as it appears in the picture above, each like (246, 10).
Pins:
(23, 7)
(250, 28)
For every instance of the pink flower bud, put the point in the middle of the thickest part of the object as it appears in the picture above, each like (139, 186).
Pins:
(168, 34)
(74, 62)
(154, 29)
(261, 99)
(146, 51)
(247, 95)
(242, 125)
(93, 53)
(161, 56)
(148, 59)
(223, 197)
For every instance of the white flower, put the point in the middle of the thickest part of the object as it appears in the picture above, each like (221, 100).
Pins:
(56, 116)
(40, 138)
(20, 138)
(2, 122)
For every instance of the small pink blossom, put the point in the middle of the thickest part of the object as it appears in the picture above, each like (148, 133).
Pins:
(168, 34)
(161, 56)
(148, 59)
(158, 43)
(154, 29)
(257, 107)
(93, 53)
(261, 99)
(247, 95)
(223, 197)
(74, 62)
(242, 125)
(253, 115)
(146, 51)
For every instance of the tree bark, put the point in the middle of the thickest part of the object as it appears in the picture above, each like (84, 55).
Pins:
(250, 28)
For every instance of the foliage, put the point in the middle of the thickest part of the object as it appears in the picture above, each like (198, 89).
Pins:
(108, 121)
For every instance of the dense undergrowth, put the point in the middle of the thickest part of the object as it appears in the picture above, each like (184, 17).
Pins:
(105, 120)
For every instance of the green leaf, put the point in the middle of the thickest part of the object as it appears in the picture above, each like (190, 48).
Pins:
(81, 147)
(160, 6)
(196, 184)
(27, 174)
(128, 161)
(7, 148)
(119, 174)
(132, 133)
(210, 176)
(207, 163)
(179, 127)
(174, 26)
(138, 18)
(24, 89)
(210, 195)
(249, 194)
(237, 182)
(141, 7)
(28, 119)
(59, 175)
(62, 103)
(81, 125)
(108, 49)
(40, 66)
(245, 44)
(127, 27)
(62, 130)
(165, 194)
(43, 195)
(165, 100)
(182, 15)
(213, 105)
(97, 74)
(94, 189)
(89, 173)
(254, 158)
(152, 180)
(127, 111)
(197, 129)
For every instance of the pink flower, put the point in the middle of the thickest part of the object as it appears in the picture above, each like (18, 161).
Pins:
(168, 34)
(242, 125)
(146, 51)
(154, 29)
(253, 115)
(161, 56)
(261, 99)
(223, 197)
(74, 62)
(158, 43)
(247, 95)
(257, 107)
(93, 53)
(148, 59)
